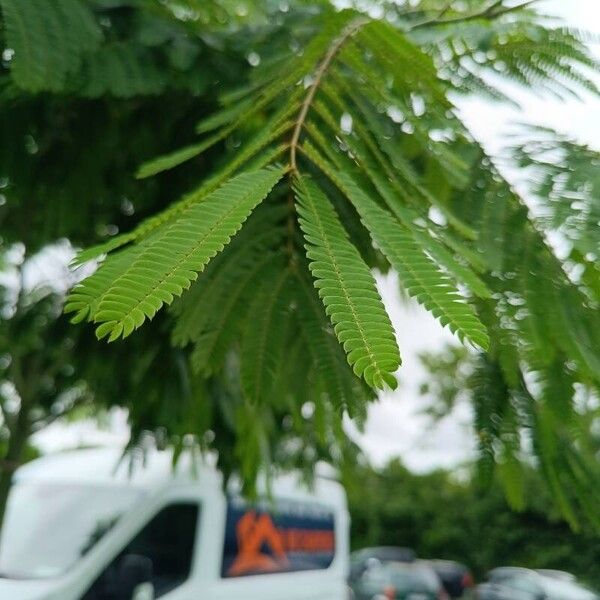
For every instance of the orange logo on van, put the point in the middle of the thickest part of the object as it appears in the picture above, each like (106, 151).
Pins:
(257, 535)
(253, 533)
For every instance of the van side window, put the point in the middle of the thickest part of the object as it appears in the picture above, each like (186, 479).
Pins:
(161, 553)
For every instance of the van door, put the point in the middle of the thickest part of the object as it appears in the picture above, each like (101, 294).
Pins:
(161, 554)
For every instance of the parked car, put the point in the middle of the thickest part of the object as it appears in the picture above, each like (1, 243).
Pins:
(385, 554)
(555, 574)
(81, 526)
(456, 578)
(514, 583)
(361, 559)
(494, 591)
(398, 581)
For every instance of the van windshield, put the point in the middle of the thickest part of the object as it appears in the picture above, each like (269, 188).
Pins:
(48, 526)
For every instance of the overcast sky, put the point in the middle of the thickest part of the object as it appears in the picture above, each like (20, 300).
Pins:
(396, 426)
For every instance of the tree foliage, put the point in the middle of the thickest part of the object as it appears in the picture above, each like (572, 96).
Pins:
(341, 152)
(441, 516)
(512, 423)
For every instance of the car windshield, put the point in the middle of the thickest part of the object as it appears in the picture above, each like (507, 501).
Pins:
(48, 527)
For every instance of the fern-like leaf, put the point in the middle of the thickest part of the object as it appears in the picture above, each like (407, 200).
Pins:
(121, 69)
(347, 289)
(200, 310)
(173, 257)
(263, 345)
(275, 128)
(49, 40)
(179, 156)
(84, 298)
(421, 277)
(337, 380)
(214, 341)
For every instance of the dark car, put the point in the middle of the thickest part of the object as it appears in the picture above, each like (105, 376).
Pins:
(455, 577)
(361, 559)
(398, 581)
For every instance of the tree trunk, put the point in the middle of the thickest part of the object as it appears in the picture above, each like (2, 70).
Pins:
(19, 436)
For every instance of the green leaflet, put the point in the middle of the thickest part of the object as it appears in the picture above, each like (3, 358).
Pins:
(274, 129)
(421, 277)
(224, 116)
(390, 195)
(389, 155)
(510, 472)
(170, 260)
(200, 310)
(263, 343)
(347, 289)
(328, 358)
(119, 69)
(235, 116)
(49, 40)
(550, 459)
(447, 260)
(209, 315)
(83, 299)
(314, 322)
(245, 158)
(491, 401)
(168, 161)
(213, 342)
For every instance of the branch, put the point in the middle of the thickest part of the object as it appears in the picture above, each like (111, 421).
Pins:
(435, 19)
(493, 11)
(83, 399)
(9, 466)
(349, 31)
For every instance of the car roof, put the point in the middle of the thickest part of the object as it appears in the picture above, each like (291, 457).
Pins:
(561, 588)
(437, 563)
(508, 571)
(109, 466)
(556, 574)
(386, 553)
(557, 584)
(154, 469)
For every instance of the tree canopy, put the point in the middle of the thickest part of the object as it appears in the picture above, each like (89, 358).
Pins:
(310, 146)
(440, 515)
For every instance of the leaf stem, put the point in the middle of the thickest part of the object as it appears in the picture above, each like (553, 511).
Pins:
(493, 11)
(348, 31)
(291, 228)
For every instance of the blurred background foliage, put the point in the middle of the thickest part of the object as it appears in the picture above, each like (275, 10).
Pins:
(449, 515)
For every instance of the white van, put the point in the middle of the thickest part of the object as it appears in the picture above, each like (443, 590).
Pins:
(84, 526)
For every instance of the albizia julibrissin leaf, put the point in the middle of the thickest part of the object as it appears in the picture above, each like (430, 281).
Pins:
(263, 344)
(347, 289)
(419, 275)
(49, 40)
(422, 278)
(173, 257)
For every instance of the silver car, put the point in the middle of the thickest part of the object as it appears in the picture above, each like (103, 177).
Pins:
(514, 583)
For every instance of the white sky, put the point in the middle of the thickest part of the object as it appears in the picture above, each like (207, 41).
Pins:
(396, 426)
